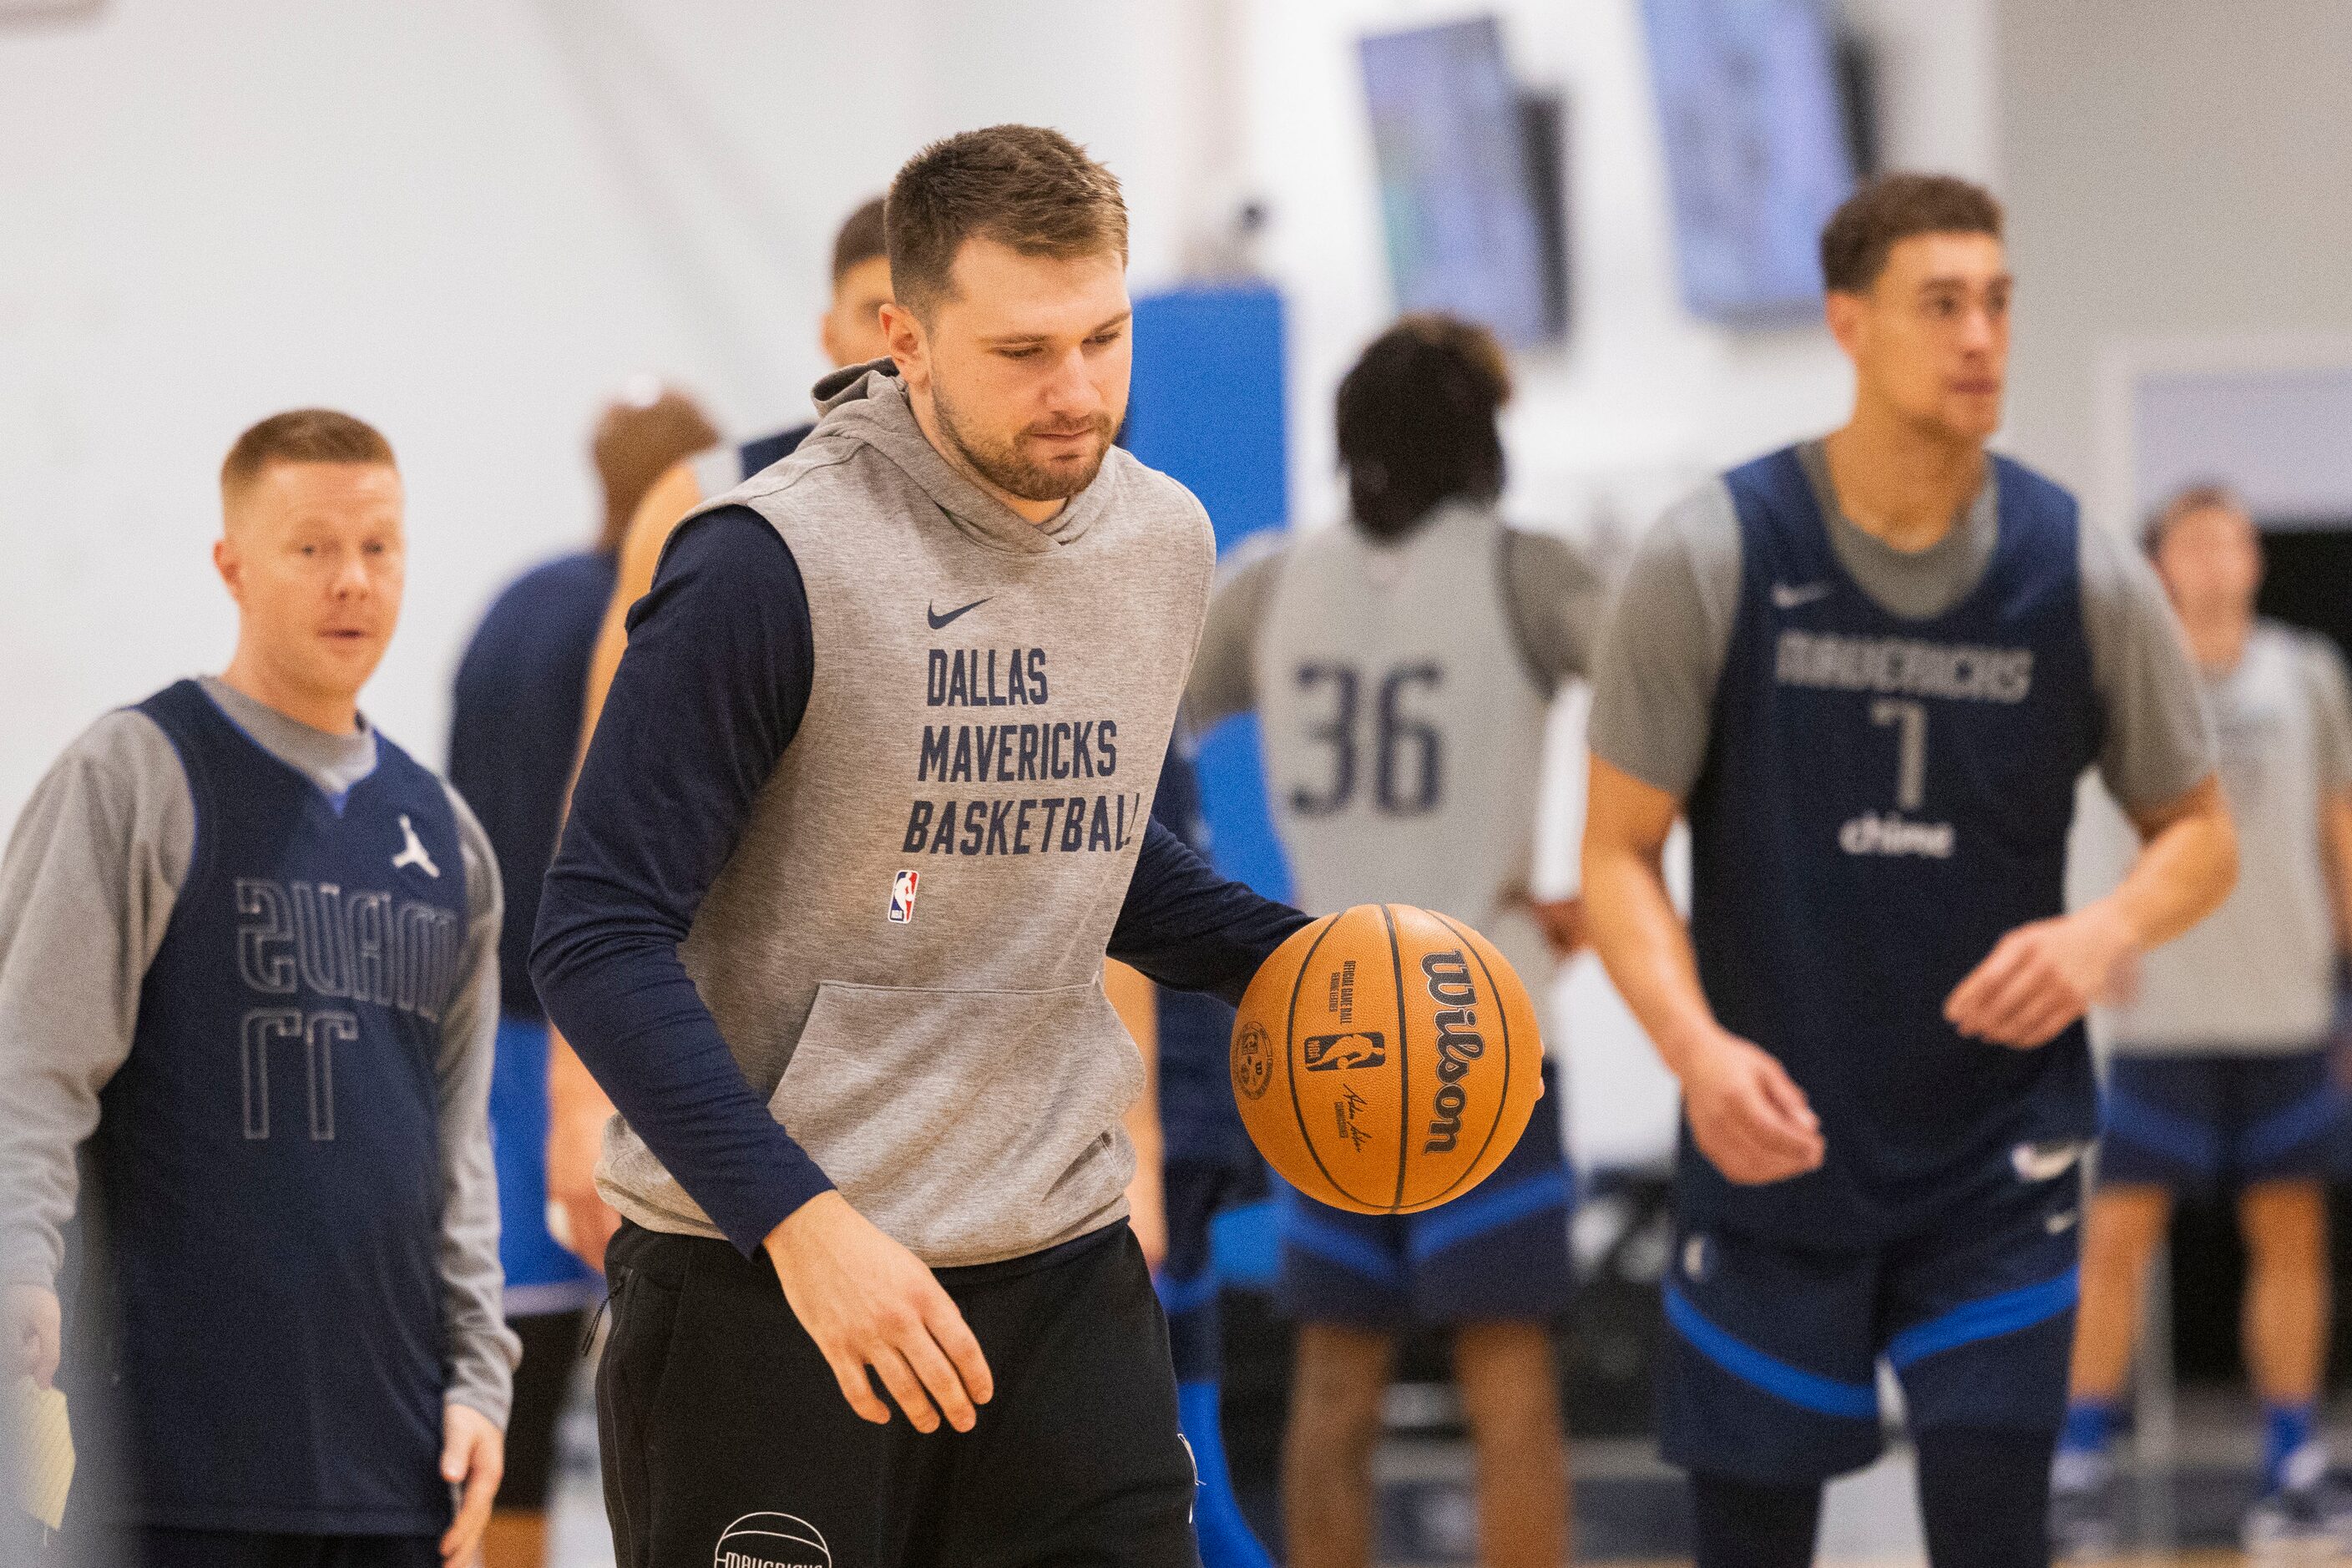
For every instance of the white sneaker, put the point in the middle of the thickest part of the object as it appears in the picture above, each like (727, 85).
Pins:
(2083, 1514)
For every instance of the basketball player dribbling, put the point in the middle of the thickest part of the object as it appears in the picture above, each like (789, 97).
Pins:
(867, 804)
(1870, 669)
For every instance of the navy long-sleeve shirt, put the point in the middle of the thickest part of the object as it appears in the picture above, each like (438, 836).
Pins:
(710, 693)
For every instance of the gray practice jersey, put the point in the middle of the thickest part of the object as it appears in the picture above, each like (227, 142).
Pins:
(1653, 687)
(86, 888)
(1402, 690)
(2258, 975)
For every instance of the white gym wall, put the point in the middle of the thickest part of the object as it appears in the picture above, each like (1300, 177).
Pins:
(470, 220)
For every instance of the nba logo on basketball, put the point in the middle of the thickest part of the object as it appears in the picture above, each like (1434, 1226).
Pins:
(902, 898)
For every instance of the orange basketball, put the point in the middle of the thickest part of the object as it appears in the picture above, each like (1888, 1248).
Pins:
(1386, 1060)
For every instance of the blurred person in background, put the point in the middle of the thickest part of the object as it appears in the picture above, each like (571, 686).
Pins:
(513, 737)
(1402, 666)
(2219, 1082)
(851, 333)
(248, 973)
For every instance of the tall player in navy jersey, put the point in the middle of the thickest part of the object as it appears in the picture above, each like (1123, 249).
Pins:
(249, 972)
(1870, 669)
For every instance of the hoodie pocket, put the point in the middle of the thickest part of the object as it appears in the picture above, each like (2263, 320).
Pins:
(971, 1125)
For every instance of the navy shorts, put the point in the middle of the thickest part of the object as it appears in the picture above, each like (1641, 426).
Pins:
(1496, 1253)
(1196, 1192)
(1770, 1369)
(2215, 1123)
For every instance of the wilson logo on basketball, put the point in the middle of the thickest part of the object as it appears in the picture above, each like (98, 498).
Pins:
(1458, 1043)
(1353, 1053)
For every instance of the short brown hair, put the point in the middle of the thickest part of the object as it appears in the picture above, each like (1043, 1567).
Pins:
(302, 435)
(1021, 185)
(639, 437)
(1889, 210)
(2202, 496)
(1416, 421)
(862, 238)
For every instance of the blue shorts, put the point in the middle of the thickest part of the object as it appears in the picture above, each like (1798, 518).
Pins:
(2215, 1123)
(541, 1276)
(1771, 1367)
(1496, 1253)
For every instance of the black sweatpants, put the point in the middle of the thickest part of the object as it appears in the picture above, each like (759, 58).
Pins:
(551, 1350)
(724, 1431)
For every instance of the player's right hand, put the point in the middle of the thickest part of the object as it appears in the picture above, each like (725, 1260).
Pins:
(575, 1142)
(29, 1328)
(870, 1303)
(1747, 1115)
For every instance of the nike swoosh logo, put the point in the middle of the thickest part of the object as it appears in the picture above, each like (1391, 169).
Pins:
(1788, 598)
(2045, 1161)
(939, 620)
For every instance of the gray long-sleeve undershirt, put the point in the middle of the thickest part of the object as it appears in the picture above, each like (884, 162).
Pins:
(86, 888)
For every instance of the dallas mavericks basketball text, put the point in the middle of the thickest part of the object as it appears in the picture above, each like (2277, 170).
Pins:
(1014, 753)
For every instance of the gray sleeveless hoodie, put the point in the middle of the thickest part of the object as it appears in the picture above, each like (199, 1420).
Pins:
(905, 951)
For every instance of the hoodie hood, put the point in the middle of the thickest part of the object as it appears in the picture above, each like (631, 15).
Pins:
(867, 404)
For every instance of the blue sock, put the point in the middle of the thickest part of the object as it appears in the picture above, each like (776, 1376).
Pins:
(2090, 1427)
(1226, 1539)
(2286, 1431)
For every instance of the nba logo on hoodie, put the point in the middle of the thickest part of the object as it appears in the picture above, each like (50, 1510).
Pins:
(902, 898)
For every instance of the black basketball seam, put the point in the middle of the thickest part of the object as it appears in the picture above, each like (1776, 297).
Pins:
(1503, 1014)
(1289, 1062)
(1404, 1078)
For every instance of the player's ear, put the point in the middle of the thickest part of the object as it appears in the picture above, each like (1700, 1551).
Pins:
(828, 338)
(1845, 314)
(230, 565)
(909, 345)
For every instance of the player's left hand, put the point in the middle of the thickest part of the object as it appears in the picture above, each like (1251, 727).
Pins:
(2039, 979)
(474, 1455)
(1563, 920)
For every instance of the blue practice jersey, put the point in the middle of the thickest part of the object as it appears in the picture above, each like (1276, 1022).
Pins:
(1882, 799)
(267, 1181)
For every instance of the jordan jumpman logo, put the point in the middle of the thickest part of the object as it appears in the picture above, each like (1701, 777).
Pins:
(414, 854)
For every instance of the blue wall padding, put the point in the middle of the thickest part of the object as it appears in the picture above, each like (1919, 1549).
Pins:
(1207, 406)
